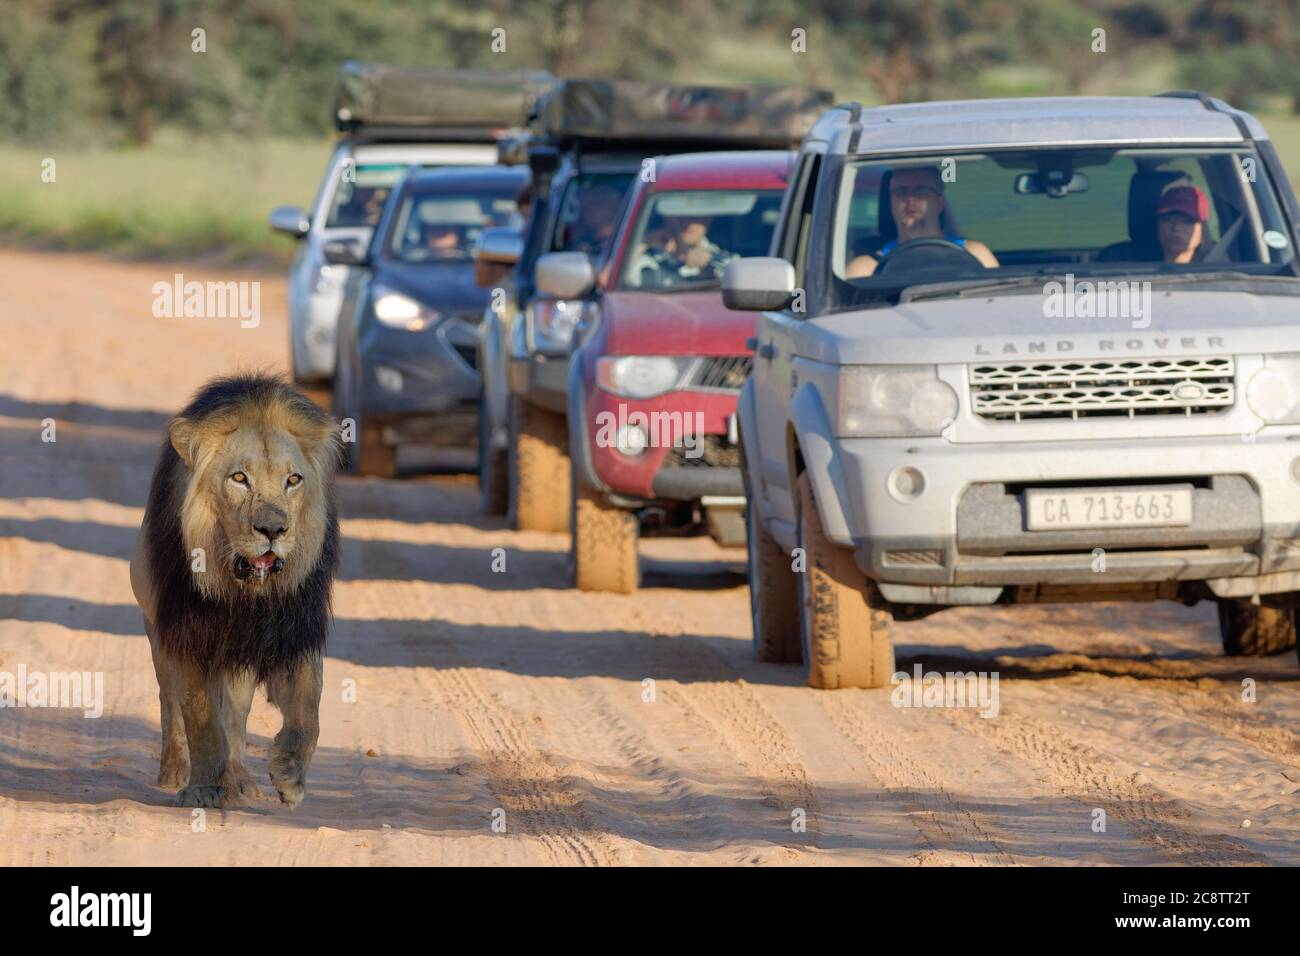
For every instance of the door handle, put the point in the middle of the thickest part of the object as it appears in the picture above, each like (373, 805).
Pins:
(767, 351)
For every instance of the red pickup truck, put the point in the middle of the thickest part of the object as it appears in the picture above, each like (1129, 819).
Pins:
(658, 362)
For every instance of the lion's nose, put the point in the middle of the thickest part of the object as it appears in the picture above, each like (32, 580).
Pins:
(270, 521)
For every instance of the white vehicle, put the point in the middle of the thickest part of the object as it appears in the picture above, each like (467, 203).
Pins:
(1022, 351)
(462, 115)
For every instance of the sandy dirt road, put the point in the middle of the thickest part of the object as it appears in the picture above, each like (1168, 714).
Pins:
(478, 692)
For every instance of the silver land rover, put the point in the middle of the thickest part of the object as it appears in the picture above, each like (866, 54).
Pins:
(1016, 351)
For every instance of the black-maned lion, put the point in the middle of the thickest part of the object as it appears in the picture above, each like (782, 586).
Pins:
(233, 570)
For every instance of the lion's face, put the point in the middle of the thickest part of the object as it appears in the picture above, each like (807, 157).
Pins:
(257, 500)
(259, 482)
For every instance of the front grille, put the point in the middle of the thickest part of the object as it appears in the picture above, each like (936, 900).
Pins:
(725, 373)
(717, 453)
(1123, 388)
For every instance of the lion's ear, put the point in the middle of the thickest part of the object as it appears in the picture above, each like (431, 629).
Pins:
(184, 435)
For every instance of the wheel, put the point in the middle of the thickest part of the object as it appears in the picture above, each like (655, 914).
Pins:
(773, 590)
(494, 490)
(603, 546)
(845, 623)
(1255, 630)
(538, 465)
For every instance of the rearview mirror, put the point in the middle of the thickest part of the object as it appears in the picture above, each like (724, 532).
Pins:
(1052, 182)
(758, 284)
(345, 252)
(566, 275)
(291, 220)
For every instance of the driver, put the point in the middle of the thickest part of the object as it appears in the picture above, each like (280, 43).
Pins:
(921, 212)
(442, 238)
(682, 249)
(1180, 224)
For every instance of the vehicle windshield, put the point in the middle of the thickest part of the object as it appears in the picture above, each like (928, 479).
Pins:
(974, 219)
(589, 211)
(684, 240)
(433, 226)
(361, 192)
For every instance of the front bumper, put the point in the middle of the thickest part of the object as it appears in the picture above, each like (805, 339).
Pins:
(964, 537)
(421, 384)
(691, 454)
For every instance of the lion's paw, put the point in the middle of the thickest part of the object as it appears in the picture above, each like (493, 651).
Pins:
(172, 775)
(290, 779)
(210, 795)
(242, 781)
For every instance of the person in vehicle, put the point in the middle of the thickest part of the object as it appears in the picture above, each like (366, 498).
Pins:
(594, 225)
(375, 205)
(1180, 224)
(442, 239)
(681, 250)
(920, 210)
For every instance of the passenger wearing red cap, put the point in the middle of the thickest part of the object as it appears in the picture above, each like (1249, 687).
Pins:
(1180, 223)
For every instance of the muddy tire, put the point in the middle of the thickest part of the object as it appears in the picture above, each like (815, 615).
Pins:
(603, 547)
(1255, 631)
(370, 456)
(845, 623)
(773, 591)
(538, 465)
(494, 489)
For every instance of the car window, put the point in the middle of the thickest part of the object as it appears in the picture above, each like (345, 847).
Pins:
(433, 226)
(1066, 209)
(361, 192)
(685, 239)
(588, 212)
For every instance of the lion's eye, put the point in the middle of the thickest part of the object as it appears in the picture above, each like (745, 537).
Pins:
(240, 477)
(293, 480)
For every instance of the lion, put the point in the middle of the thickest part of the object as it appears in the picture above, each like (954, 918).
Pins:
(233, 571)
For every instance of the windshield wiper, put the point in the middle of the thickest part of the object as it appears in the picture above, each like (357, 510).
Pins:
(939, 290)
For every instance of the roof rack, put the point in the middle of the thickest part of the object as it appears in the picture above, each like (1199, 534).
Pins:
(1214, 106)
(624, 110)
(378, 102)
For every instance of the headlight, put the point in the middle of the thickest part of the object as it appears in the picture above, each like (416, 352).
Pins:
(553, 321)
(1274, 391)
(893, 402)
(640, 376)
(398, 311)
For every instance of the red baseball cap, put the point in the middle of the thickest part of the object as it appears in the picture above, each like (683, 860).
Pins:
(1188, 200)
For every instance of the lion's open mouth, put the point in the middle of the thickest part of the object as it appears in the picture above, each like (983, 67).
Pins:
(261, 566)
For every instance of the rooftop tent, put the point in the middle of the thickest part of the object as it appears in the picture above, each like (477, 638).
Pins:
(754, 116)
(403, 102)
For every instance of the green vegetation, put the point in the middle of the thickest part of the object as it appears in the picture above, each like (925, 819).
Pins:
(163, 148)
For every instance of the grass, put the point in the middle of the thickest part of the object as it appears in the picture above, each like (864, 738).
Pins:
(183, 198)
(178, 198)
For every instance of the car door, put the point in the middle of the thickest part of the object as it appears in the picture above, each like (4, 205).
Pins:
(773, 372)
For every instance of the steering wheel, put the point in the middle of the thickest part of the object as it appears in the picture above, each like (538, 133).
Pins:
(931, 254)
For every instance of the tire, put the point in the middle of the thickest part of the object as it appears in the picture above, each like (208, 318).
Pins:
(603, 546)
(1248, 630)
(845, 623)
(538, 466)
(494, 490)
(773, 591)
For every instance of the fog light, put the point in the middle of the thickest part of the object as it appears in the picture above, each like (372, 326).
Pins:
(631, 440)
(389, 379)
(906, 483)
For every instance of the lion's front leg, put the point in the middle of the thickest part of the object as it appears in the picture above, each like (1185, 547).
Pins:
(212, 780)
(236, 702)
(174, 764)
(297, 694)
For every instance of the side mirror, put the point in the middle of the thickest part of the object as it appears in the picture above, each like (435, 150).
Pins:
(566, 275)
(543, 160)
(291, 220)
(499, 245)
(757, 284)
(345, 252)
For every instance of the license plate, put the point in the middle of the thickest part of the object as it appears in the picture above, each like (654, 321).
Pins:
(1150, 507)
